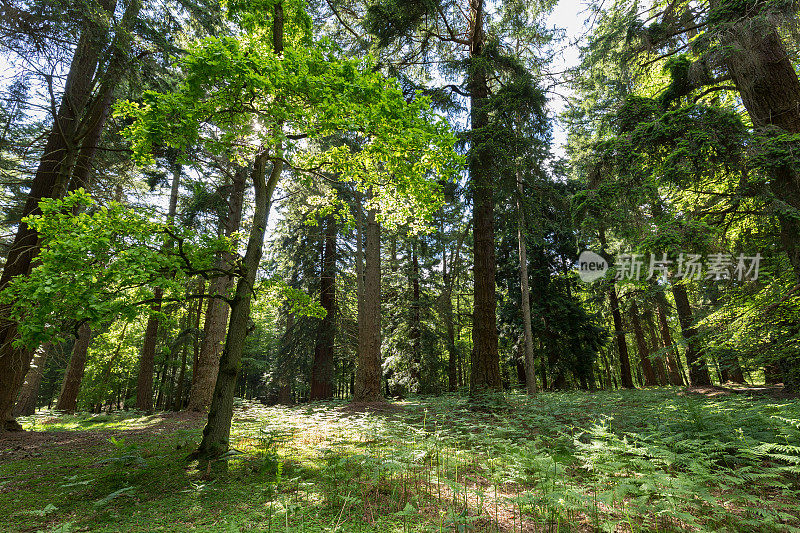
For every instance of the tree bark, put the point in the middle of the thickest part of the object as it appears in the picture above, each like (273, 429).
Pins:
(415, 333)
(205, 371)
(673, 368)
(762, 71)
(641, 347)
(530, 364)
(322, 367)
(698, 371)
(216, 434)
(50, 177)
(654, 347)
(622, 344)
(93, 124)
(68, 399)
(28, 396)
(485, 367)
(144, 381)
(367, 385)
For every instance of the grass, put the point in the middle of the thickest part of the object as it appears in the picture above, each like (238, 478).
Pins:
(651, 460)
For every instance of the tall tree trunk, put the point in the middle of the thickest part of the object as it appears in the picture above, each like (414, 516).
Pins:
(654, 347)
(698, 371)
(530, 364)
(193, 322)
(144, 381)
(449, 278)
(49, 180)
(367, 385)
(205, 371)
(28, 396)
(622, 344)
(93, 124)
(322, 367)
(641, 347)
(415, 333)
(619, 331)
(673, 368)
(485, 367)
(216, 434)
(761, 68)
(68, 399)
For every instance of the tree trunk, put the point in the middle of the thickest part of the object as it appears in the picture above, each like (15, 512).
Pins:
(485, 367)
(27, 401)
(322, 368)
(622, 344)
(673, 368)
(641, 347)
(216, 434)
(449, 278)
(415, 333)
(194, 322)
(619, 331)
(68, 399)
(762, 70)
(94, 122)
(50, 178)
(367, 385)
(530, 364)
(205, 371)
(698, 371)
(144, 382)
(654, 347)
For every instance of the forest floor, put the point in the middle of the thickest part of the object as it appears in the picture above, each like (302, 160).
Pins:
(659, 459)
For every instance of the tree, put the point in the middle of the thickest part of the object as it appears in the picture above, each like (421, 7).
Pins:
(332, 95)
(409, 31)
(322, 366)
(205, 371)
(367, 387)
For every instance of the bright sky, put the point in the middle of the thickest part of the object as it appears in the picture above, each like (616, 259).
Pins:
(569, 15)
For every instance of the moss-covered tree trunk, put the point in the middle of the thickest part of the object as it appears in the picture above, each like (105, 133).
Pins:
(216, 319)
(761, 67)
(216, 434)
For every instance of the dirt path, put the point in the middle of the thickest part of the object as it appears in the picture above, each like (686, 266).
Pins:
(24, 444)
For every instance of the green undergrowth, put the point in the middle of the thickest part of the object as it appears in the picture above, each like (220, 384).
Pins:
(650, 460)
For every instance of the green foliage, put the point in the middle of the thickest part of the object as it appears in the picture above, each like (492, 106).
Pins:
(238, 99)
(98, 264)
(639, 460)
